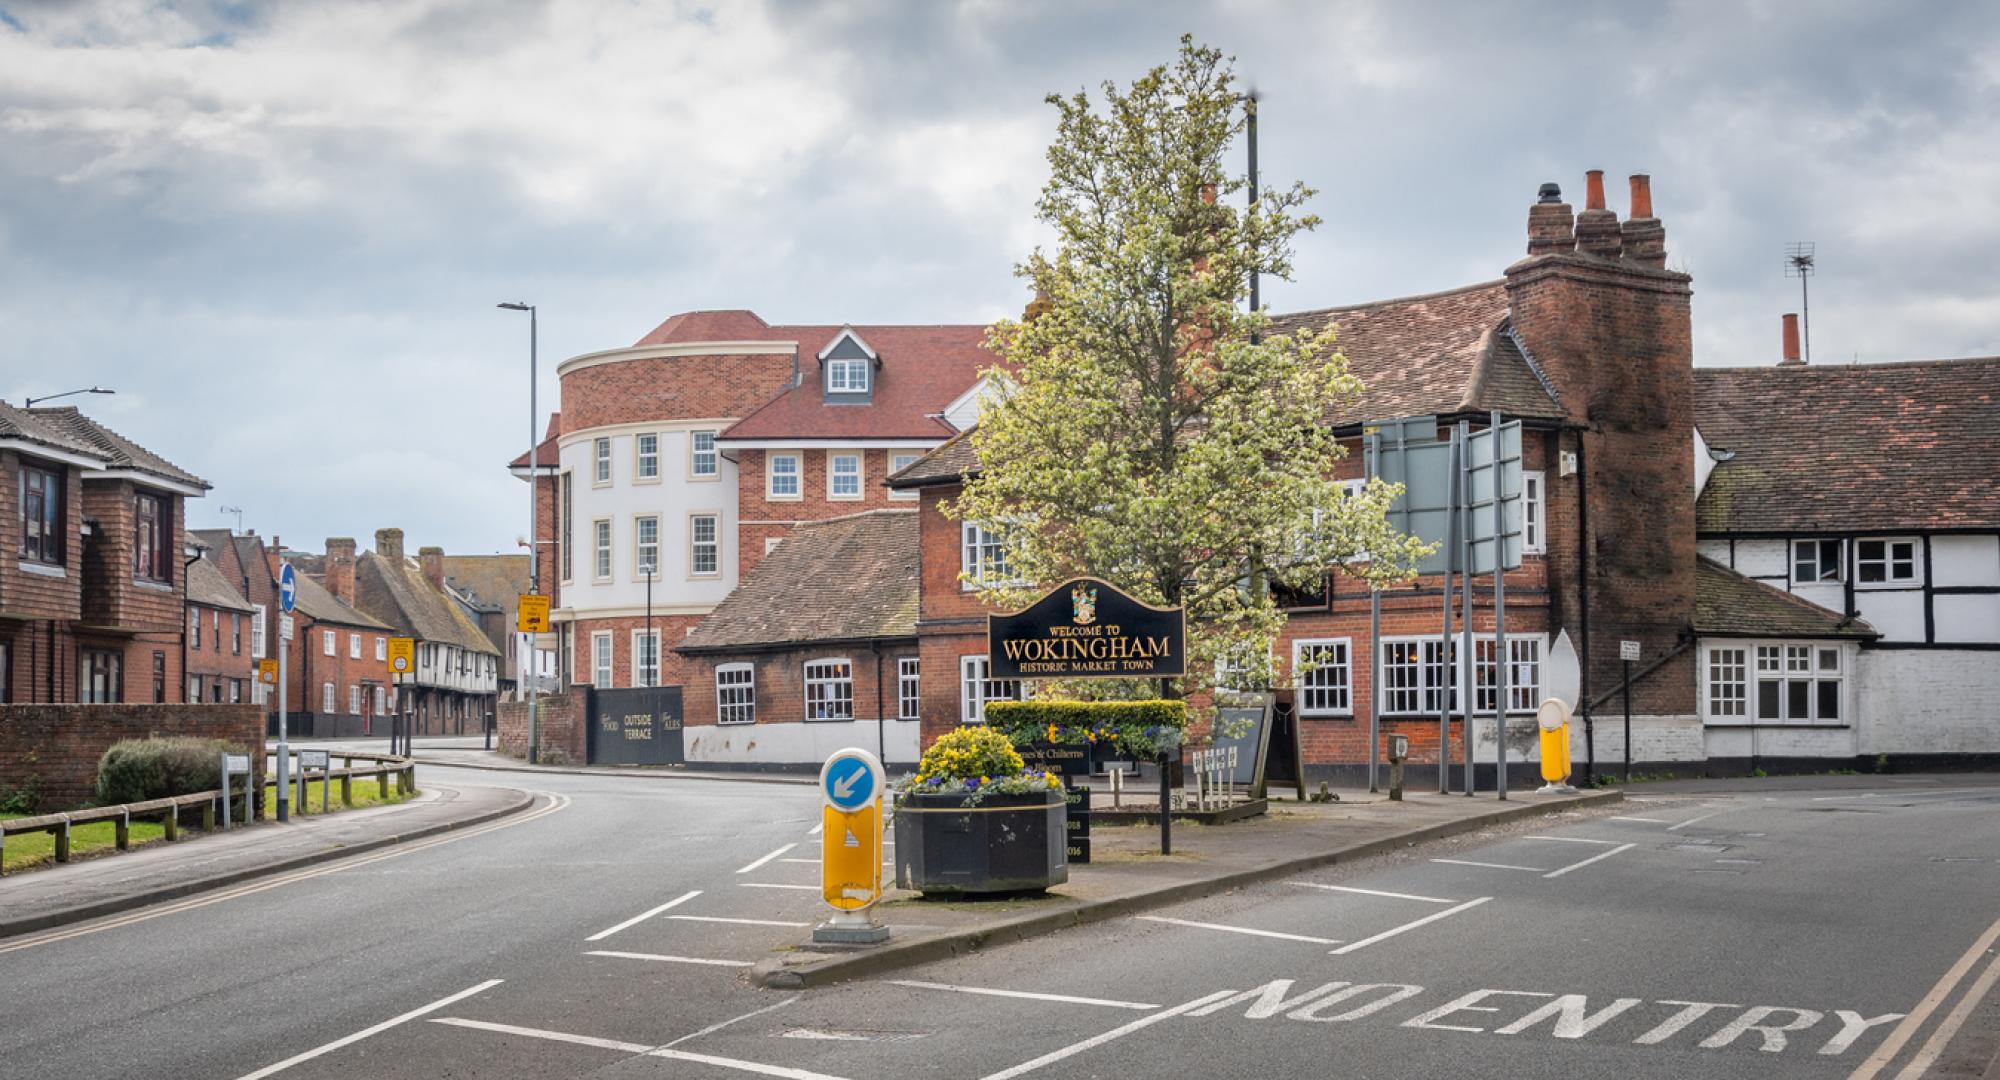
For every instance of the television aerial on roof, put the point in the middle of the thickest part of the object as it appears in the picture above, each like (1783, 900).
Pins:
(1799, 263)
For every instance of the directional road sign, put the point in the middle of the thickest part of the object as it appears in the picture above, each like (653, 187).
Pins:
(532, 614)
(851, 782)
(288, 588)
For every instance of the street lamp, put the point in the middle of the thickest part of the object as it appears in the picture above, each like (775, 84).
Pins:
(29, 403)
(652, 644)
(534, 552)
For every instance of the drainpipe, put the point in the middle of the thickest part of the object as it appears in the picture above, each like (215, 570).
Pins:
(881, 736)
(1583, 610)
(185, 605)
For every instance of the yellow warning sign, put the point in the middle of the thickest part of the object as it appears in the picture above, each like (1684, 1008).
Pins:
(402, 655)
(267, 672)
(532, 614)
(851, 856)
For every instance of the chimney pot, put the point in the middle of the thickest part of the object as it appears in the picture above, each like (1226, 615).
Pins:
(1550, 193)
(1642, 196)
(1593, 189)
(1791, 341)
(1551, 225)
(1597, 227)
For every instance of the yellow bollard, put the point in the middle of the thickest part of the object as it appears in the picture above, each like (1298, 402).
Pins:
(1553, 719)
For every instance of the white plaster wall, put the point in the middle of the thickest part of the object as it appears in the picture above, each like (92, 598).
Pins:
(1965, 560)
(1654, 739)
(673, 498)
(1899, 616)
(1973, 617)
(1929, 701)
(1776, 740)
(1831, 595)
(799, 742)
(1763, 558)
(1717, 550)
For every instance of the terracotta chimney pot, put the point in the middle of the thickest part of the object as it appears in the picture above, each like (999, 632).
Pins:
(1593, 190)
(1791, 341)
(1642, 196)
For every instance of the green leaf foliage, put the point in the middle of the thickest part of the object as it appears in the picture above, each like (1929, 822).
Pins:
(136, 770)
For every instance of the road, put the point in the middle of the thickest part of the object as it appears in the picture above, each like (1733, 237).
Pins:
(1781, 930)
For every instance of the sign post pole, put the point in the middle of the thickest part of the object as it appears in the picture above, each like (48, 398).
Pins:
(1628, 651)
(402, 661)
(288, 594)
(851, 784)
(1499, 608)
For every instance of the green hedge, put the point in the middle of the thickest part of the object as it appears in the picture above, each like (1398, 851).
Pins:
(139, 769)
(1142, 727)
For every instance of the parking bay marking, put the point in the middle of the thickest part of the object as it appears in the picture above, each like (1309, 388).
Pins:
(641, 1049)
(1387, 934)
(987, 991)
(1374, 892)
(637, 919)
(767, 858)
(666, 959)
(1549, 873)
(734, 922)
(1252, 931)
(298, 1059)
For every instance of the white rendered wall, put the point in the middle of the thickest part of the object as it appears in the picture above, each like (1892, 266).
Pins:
(1763, 558)
(1965, 560)
(672, 497)
(1929, 701)
(1897, 616)
(798, 742)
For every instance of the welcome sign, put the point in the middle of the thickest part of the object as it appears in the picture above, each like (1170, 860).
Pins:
(1087, 629)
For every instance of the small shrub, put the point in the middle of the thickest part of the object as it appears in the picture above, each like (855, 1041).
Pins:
(139, 769)
(976, 762)
(24, 799)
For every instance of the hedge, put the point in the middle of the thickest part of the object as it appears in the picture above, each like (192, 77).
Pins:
(1141, 727)
(136, 770)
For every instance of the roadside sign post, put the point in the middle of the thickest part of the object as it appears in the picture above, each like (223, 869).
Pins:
(232, 765)
(851, 784)
(402, 660)
(532, 617)
(323, 761)
(288, 595)
(1628, 653)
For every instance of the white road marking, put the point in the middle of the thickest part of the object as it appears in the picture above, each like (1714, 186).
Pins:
(1572, 840)
(1489, 865)
(637, 919)
(1587, 862)
(1073, 1049)
(663, 958)
(1646, 820)
(1239, 930)
(1692, 820)
(272, 1070)
(713, 1028)
(1920, 1065)
(770, 885)
(767, 858)
(1886, 1052)
(738, 1064)
(1387, 934)
(988, 991)
(816, 829)
(1375, 892)
(735, 922)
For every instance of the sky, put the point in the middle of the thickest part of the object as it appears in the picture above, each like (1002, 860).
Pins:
(279, 230)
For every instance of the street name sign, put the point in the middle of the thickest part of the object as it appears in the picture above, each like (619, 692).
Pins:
(532, 614)
(851, 784)
(288, 588)
(1087, 629)
(402, 655)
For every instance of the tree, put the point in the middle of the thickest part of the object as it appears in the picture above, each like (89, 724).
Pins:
(1154, 433)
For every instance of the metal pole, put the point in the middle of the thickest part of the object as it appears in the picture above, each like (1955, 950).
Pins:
(284, 746)
(1250, 130)
(653, 676)
(1166, 792)
(1628, 721)
(1444, 644)
(1461, 670)
(534, 547)
(1499, 609)
(1374, 465)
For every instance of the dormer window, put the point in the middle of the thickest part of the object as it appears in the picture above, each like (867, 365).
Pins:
(847, 376)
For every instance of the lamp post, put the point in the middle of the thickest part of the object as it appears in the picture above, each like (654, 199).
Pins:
(652, 644)
(534, 552)
(29, 403)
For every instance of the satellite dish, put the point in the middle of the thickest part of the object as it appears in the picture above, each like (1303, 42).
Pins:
(1565, 676)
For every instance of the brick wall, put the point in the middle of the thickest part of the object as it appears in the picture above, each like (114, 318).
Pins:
(112, 594)
(674, 668)
(25, 594)
(780, 682)
(671, 388)
(561, 721)
(308, 669)
(57, 747)
(759, 519)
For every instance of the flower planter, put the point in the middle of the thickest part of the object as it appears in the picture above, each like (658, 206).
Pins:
(1004, 844)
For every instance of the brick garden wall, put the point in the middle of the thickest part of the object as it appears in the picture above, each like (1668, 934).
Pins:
(562, 721)
(56, 747)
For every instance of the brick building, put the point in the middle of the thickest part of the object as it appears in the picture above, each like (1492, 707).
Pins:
(457, 680)
(91, 603)
(220, 660)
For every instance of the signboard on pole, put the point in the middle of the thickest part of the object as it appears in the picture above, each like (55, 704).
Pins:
(1493, 474)
(532, 614)
(851, 784)
(285, 628)
(1628, 651)
(267, 672)
(402, 655)
(288, 588)
(1087, 629)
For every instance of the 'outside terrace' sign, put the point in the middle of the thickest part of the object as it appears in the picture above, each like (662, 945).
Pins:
(1087, 629)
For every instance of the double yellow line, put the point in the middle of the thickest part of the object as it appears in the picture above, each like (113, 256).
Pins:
(556, 804)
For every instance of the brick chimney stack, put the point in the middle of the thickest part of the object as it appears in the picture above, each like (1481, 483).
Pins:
(1551, 224)
(340, 568)
(1791, 340)
(1645, 238)
(1597, 228)
(389, 544)
(432, 559)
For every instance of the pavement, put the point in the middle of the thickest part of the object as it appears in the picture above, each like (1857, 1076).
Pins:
(469, 752)
(157, 872)
(1128, 875)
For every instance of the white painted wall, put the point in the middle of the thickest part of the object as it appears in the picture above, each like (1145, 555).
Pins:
(1713, 550)
(1965, 560)
(1898, 616)
(1968, 618)
(672, 497)
(799, 742)
(1763, 558)
(1929, 701)
(1831, 595)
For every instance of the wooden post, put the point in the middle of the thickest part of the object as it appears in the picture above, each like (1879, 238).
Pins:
(346, 790)
(382, 778)
(123, 831)
(172, 822)
(62, 841)
(208, 815)
(409, 780)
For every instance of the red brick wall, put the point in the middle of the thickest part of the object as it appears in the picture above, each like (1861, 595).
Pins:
(781, 682)
(214, 658)
(308, 669)
(560, 719)
(56, 747)
(27, 595)
(674, 668)
(758, 519)
(671, 388)
(112, 594)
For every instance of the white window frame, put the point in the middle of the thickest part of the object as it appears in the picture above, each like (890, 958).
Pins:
(696, 545)
(600, 475)
(258, 623)
(640, 546)
(1534, 513)
(1818, 549)
(353, 646)
(354, 699)
(381, 702)
(639, 657)
(194, 628)
(1526, 655)
(600, 549)
(1333, 676)
(381, 650)
(603, 661)
(772, 476)
(697, 457)
(829, 689)
(329, 643)
(976, 690)
(642, 457)
(982, 558)
(1786, 663)
(847, 376)
(1726, 683)
(736, 694)
(898, 461)
(1888, 562)
(909, 688)
(835, 474)
(326, 703)
(1424, 677)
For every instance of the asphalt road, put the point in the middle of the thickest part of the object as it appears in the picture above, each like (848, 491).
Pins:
(1773, 930)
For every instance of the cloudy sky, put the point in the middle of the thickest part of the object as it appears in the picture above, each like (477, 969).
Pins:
(279, 229)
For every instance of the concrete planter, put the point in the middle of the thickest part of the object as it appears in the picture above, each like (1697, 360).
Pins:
(1005, 844)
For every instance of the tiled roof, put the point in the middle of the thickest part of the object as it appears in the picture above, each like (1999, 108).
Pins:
(1443, 353)
(29, 427)
(851, 578)
(121, 452)
(319, 603)
(495, 580)
(946, 464)
(1727, 604)
(207, 586)
(1851, 447)
(549, 453)
(396, 592)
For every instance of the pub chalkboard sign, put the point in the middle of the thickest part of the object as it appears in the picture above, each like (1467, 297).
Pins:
(1087, 629)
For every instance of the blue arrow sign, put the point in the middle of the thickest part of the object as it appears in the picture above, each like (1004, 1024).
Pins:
(288, 588)
(848, 784)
